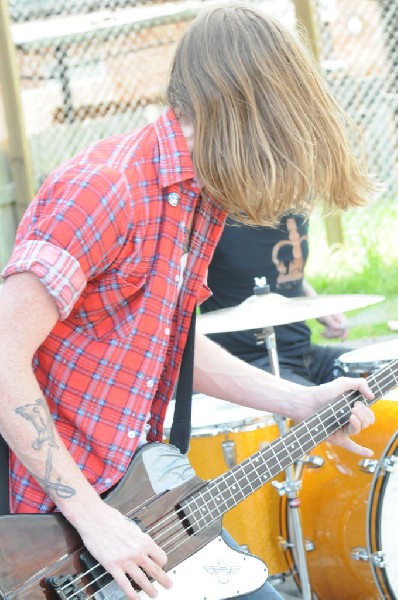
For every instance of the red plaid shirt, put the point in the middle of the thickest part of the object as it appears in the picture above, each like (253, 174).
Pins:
(106, 234)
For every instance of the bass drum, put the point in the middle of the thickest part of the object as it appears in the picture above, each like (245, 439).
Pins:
(224, 434)
(349, 515)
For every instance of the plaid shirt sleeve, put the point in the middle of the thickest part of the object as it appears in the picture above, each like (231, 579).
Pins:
(72, 231)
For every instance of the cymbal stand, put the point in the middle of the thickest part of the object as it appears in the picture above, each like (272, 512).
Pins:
(292, 485)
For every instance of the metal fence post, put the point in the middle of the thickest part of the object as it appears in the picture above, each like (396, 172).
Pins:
(306, 19)
(18, 147)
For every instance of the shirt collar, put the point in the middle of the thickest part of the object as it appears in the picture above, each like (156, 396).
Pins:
(175, 162)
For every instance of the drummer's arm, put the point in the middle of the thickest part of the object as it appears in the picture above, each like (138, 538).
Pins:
(336, 326)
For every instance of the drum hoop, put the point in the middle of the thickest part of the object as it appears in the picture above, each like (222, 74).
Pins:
(364, 366)
(379, 573)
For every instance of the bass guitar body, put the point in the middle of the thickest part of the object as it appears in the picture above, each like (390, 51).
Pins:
(42, 556)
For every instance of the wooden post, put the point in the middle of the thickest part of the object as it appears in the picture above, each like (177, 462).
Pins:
(306, 19)
(18, 147)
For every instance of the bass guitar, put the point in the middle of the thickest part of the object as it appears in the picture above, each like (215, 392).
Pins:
(42, 556)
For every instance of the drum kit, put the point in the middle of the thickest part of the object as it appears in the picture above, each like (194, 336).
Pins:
(329, 520)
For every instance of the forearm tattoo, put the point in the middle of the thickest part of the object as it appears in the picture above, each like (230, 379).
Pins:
(41, 420)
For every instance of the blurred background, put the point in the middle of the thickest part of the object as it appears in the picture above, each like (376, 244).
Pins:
(73, 72)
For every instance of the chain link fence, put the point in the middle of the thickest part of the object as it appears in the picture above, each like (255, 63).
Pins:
(94, 71)
(359, 55)
(93, 68)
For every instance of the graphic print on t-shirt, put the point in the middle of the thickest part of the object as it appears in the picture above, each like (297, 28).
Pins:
(287, 256)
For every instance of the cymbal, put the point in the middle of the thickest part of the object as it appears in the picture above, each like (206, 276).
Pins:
(267, 310)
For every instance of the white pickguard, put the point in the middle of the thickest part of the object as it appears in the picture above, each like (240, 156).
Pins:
(215, 572)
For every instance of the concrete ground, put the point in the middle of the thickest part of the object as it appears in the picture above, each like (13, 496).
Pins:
(289, 590)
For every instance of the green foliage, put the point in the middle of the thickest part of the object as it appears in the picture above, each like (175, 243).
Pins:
(366, 263)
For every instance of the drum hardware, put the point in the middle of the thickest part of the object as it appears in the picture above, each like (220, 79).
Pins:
(377, 558)
(369, 465)
(291, 485)
(285, 545)
(364, 361)
(289, 488)
(229, 453)
(309, 545)
(309, 461)
(313, 462)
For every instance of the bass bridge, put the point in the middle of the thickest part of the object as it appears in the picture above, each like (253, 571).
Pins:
(97, 583)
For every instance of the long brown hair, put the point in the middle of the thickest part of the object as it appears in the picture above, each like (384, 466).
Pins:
(269, 137)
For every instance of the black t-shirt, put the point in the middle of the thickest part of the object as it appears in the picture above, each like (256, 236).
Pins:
(244, 253)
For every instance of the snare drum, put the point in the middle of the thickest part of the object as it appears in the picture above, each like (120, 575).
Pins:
(364, 361)
(349, 513)
(224, 434)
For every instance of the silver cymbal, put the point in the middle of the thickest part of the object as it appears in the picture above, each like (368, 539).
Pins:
(267, 310)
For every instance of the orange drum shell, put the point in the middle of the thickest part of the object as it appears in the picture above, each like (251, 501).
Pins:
(255, 521)
(334, 505)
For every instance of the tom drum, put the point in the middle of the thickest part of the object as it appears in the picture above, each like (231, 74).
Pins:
(363, 361)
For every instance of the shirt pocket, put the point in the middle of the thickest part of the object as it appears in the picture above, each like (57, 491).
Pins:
(107, 306)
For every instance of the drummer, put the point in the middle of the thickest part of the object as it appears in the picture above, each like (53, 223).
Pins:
(279, 254)
(110, 262)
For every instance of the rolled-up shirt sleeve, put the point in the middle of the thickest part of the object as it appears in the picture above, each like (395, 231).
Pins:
(59, 272)
(72, 231)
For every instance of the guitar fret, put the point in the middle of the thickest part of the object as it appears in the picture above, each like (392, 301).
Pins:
(248, 481)
(235, 489)
(319, 429)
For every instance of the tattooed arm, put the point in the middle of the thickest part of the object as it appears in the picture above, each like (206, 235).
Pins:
(27, 315)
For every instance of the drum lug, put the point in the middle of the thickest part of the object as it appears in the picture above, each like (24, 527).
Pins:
(309, 545)
(284, 545)
(369, 465)
(229, 453)
(313, 462)
(388, 463)
(377, 558)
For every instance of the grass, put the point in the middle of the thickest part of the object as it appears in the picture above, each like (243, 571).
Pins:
(365, 263)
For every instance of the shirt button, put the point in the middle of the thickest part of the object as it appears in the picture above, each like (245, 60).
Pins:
(177, 278)
(131, 434)
(150, 383)
(173, 199)
(107, 481)
(167, 331)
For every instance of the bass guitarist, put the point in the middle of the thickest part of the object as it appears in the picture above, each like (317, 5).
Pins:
(110, 262)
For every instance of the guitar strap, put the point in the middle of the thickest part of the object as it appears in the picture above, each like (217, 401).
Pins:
(180, 431)
(4, 470)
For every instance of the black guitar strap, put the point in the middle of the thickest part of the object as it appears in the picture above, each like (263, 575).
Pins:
(180, 431)
(4, 474)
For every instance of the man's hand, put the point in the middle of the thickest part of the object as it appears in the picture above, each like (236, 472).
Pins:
(124, 550)
(361, 416)
(336, 326)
